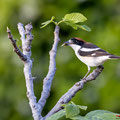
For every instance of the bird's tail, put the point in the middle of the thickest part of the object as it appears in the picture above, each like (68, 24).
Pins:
(114, 57)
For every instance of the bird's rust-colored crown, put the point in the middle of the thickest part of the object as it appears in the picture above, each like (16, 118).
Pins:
(79, 39)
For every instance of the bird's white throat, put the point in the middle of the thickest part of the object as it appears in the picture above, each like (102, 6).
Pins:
(75, 47)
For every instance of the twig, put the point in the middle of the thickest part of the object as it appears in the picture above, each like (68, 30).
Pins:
(73, 90)
(47, 82)
(16, 49)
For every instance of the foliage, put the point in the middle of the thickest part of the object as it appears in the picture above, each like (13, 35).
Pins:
(47, 22)
(75, 17)
(57, 115)
(70, 19)
(104, 20)
(72, 112)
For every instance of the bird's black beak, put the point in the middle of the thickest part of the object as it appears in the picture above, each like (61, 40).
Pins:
(66, 43)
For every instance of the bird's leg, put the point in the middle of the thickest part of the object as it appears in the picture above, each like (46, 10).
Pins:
(78, 83)
(86, 73)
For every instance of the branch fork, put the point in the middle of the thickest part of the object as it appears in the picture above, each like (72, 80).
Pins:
(25, 56)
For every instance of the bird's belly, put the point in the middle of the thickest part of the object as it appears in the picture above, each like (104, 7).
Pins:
(93, 61)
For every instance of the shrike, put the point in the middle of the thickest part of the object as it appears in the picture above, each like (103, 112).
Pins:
(88, 53)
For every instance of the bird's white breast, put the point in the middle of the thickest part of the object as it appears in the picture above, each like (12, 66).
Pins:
(92, 61)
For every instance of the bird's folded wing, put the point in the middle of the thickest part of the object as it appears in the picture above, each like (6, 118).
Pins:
(94, 53)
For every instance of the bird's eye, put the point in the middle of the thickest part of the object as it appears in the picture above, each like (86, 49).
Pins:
(79, 42)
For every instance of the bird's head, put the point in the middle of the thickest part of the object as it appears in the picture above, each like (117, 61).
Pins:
(74, 42)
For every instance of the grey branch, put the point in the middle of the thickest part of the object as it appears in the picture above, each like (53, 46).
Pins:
(26, 46)
(47, 82)
(26, 38)
(73, 90)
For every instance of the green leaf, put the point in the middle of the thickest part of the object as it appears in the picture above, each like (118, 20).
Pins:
(75, 17)
(92, 113)
(84, 27)
(82, 107)
(57, 115)
(73, 25)
(105, 116)
(76, 26)
(78, 117)
(47, 22)
(71, 110)
(97, 115)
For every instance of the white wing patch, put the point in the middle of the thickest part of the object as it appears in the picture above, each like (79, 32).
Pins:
(93, 54)
(89, 49)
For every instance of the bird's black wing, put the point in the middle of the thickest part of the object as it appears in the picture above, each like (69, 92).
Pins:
(95, 53)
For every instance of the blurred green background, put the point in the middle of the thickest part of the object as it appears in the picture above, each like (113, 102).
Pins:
(104, 20)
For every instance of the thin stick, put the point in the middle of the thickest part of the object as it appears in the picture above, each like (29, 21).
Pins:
(16, 49)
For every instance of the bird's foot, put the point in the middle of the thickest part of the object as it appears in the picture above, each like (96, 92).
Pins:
(100, 68)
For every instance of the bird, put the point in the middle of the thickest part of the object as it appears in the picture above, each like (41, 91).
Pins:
(88, 53)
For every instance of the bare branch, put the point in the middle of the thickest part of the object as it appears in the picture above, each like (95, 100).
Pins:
(26, 38)
(73, 90)
(26, 46)
(52, 69)
(16, 49)
(25, 57)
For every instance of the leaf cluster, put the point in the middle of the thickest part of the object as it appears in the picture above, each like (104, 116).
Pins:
(72, 112)
(72, 19)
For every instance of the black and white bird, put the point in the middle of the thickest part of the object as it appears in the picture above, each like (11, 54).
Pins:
(88, 53)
